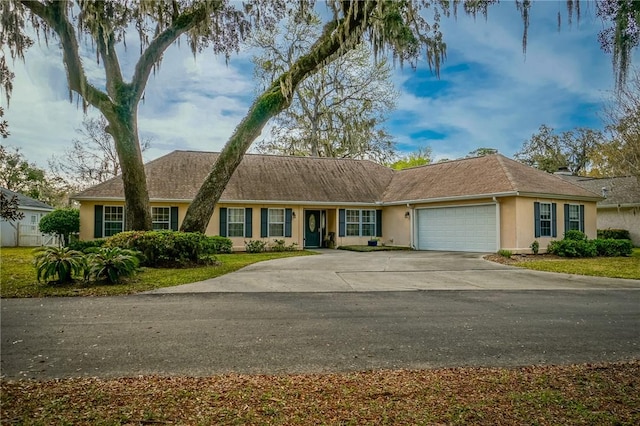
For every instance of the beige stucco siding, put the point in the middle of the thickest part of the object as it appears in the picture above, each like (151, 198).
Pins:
(523, 221)
(396, 228)
(621, 218)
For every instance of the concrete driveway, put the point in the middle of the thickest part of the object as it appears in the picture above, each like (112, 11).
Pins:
(345, 271)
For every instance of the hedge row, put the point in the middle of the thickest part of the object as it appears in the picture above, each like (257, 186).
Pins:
(576, 244)
(163, 248)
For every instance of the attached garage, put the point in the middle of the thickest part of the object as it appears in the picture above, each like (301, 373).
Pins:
(463, 228)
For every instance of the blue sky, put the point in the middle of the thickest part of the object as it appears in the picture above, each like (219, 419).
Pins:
(489, 93)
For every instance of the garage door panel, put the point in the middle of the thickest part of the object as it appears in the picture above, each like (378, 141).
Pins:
(466, 228)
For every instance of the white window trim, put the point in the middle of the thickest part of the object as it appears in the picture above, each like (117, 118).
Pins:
(104, 219)
(229, 209)
(168, 222)
(550, 220)
(269, 222)
(360, 222)
(577, 221)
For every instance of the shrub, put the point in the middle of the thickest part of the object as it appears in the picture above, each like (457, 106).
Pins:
(615, 234)
(613, 248)
(572, 248)
(575, 235)
(505, 253)
(161, 248)
(216, 244)
(279, 245)
(61, 222)
(83, 246)
(255, 246)
(60, 262)
(535, 247)
(112, 263)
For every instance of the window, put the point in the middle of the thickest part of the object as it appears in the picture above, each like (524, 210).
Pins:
(353, 223)
(235, 222)
(113, 220)
(161, 217)
(276, 222)
(574, 217)
(368, 223)
(545, 219)
(34, 219)
(361, 223)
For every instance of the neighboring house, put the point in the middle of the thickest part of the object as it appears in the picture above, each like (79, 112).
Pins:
(25, 232)
(620, 208)
(478, 204)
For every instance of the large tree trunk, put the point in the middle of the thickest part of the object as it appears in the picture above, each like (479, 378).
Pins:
(137, 212)
(335, 40)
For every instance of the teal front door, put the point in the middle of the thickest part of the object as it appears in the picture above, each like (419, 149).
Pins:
(312, 228)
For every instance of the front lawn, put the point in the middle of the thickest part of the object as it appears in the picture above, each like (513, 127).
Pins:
(18, 275)
(593, 394)
(612, 267)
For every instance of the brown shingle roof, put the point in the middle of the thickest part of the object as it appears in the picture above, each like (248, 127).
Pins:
(178, 176)
(619, 190)
(488, 175)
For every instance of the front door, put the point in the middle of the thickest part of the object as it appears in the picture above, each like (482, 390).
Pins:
(312, 228)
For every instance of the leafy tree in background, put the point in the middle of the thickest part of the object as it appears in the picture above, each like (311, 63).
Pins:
(621, 157)
(421, 157)
(550, 151)
(61, 222)
(481, 152)
(4, 126)
(9, 208)
(336, 112)
(18, 175)
(92, 158)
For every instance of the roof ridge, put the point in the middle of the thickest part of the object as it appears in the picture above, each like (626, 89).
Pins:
(506, 171)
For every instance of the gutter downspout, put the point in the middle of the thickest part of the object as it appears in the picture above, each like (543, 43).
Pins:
(498, 243)
(411, 227)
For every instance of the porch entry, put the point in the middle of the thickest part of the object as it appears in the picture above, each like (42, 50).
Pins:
(313, 228)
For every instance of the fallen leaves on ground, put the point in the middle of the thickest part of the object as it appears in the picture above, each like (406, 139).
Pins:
(582, 394)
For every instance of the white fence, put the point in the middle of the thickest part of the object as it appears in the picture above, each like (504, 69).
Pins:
(30, 236)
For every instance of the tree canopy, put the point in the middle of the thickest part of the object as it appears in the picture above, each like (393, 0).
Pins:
(336, 112)
(551, 151)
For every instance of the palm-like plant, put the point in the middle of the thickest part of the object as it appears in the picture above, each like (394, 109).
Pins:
(112, 263)
(60, 262)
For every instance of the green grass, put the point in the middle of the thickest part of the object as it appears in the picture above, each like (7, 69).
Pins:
(367, 248)
(18, 275)
(612, 267)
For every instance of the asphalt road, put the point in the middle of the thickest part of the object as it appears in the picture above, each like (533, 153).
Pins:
(271, 333)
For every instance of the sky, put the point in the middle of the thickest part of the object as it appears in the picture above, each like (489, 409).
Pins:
(489, 93)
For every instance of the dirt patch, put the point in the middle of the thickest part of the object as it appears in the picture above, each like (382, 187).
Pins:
(520, 258)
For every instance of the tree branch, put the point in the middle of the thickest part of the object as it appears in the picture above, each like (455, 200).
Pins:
(55, 15)
(156, 48)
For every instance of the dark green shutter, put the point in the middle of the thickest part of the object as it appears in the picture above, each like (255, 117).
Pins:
(378, 223)
(582, 217)
(248, 222)
(536, 218)
(223, 221)
(566, 218)
(554, 220)
(342, 223)
(264, 223)
(287, 222)
(174, 218)
(97, 221)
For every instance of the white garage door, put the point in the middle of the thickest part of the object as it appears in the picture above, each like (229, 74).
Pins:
(468, 228)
